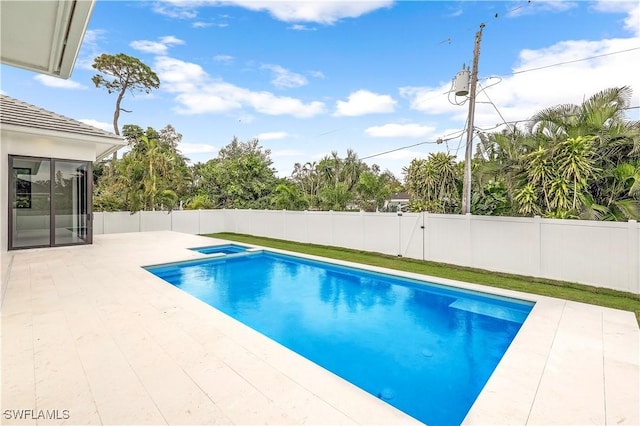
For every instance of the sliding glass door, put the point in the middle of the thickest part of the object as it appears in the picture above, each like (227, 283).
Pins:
(70, 202)
(49, 202)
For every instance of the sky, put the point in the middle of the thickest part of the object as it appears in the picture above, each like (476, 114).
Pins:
(307, 78)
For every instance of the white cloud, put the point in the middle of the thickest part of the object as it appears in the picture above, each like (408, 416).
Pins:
(178, 76)
(93, 36)
(200, 24)
(300, 27)
(283, 78)
(196, 148)
(99, 124)
(156, 47)
(177, 10)
(632, 22)
(321, 12)
(225, 59)
(270, 104)
(393, 130)
(364, 102)
(272, 136)
(58, 83)
(171, 40)
(630, 8)
(199, 93)
(316, 74)
(90, 49)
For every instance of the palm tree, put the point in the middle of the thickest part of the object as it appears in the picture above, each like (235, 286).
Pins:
(149, 169)
(307, 178)
(351, 169)
(288, 196)
(570, 161)
(335, 197)
(433, 183)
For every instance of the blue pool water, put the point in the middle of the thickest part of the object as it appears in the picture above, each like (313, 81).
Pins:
(426, 349)
(222, 249)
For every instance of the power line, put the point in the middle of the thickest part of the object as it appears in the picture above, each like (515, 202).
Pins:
(494, 106)
(507, 123)
(438, 141)
(575, 60)
(466, 125)
(397, 149)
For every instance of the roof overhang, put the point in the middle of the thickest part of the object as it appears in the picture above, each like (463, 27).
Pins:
(104, 146)
(43, 35)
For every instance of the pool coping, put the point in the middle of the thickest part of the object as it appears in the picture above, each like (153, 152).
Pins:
(571, 363)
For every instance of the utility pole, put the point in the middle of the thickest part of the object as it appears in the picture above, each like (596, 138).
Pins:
(466, 184)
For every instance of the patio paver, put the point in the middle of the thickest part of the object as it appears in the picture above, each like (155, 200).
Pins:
(86, 329)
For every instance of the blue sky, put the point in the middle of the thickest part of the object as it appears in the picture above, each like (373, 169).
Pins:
(307, 78)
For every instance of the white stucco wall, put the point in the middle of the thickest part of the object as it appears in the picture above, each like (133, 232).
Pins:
(14, 143)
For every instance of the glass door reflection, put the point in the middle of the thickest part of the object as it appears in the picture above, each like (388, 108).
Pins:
(30, 194)
(70, 202)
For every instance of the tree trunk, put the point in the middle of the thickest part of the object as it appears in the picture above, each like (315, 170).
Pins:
(116, 115)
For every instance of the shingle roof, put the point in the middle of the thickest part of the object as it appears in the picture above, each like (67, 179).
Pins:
(18, 113)
(400, 196)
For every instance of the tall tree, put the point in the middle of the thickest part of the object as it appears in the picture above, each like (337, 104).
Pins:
(152, 175)
(374, 188)
(240, 177)
(121, 73)
(307, 178)
(338, 179)
(288, 196)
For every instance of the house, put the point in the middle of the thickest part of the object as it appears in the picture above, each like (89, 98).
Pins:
(398, 202)
(46, 187)
(45, 158)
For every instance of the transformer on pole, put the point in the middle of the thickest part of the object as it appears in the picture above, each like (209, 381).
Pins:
(461, 82)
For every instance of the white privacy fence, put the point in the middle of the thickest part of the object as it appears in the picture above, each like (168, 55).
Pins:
(604, 254)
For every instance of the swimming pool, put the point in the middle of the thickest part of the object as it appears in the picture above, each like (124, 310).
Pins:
(426, 349)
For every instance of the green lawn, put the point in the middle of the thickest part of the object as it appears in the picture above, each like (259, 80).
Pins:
(563, 290)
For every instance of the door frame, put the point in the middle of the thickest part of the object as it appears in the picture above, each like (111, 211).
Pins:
(88, 196)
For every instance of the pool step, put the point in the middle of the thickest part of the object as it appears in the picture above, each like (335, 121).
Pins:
(489, 309)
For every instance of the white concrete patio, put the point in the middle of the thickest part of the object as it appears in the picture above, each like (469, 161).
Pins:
(85, 329)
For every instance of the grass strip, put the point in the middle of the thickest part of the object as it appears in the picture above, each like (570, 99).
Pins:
(542, 286)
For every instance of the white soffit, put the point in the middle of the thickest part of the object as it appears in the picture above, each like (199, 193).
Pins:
(43, 35)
